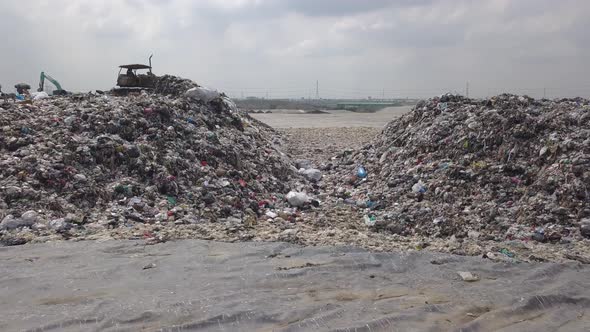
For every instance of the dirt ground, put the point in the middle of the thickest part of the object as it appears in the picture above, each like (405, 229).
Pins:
(330, 119)
(318, 137)
(320, 144)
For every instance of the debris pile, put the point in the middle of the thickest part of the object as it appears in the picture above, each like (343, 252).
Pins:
(173, 85)
(95, 161)
(507, 167)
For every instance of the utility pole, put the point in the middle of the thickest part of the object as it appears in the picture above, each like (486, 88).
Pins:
(544, 93)
(317, 89)
(467, 89)
(383, 94)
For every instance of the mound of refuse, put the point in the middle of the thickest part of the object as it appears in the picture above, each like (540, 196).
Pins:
(173, 85)
(96, 161)
(507, 167)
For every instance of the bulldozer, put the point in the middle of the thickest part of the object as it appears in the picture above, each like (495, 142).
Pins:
(132, 81)
(58, 89)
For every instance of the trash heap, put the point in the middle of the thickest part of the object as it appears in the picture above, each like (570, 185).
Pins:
(96, 161)
(508, 167)
(173, 85)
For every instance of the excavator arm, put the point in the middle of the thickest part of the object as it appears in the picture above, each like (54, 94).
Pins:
(50, 79)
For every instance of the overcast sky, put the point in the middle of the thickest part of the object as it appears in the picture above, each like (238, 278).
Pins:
(354, 48)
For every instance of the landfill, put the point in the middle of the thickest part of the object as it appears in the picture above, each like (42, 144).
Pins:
(181, 155)
(504, 177)
(502, 168)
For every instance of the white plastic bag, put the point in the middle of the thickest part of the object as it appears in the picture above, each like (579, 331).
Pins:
(297, 199)
(312, 174)
(203, 94)
(40, 95)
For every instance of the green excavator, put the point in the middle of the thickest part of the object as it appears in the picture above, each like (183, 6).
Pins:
(58, 90)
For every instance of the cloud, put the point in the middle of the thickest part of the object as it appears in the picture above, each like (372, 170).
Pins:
(346, 7)
(352, 47)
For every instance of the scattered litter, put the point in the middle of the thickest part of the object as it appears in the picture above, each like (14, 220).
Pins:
(203, 94)
(312, 174)
(39, 95)
(468, 276)
(507, 252)
(149, 266)
(361, 172)
(297, 199)
(419, 188)
(370, 220)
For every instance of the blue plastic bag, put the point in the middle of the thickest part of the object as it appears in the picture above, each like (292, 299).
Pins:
(361, 172)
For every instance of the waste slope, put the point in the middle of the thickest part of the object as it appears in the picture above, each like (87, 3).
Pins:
(173, 85)
(107, 162)
(505, 167)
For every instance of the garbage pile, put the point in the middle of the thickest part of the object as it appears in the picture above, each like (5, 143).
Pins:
(173, 85)
(507, 167)
(96, 161)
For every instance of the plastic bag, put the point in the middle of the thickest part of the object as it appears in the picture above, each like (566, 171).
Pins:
(203, 94)
(40, 95)
(297, 199)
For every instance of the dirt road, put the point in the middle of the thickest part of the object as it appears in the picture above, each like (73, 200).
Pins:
(331, 119)
(318, 137)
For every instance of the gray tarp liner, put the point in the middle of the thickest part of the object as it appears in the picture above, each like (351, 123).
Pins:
(200, 285)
